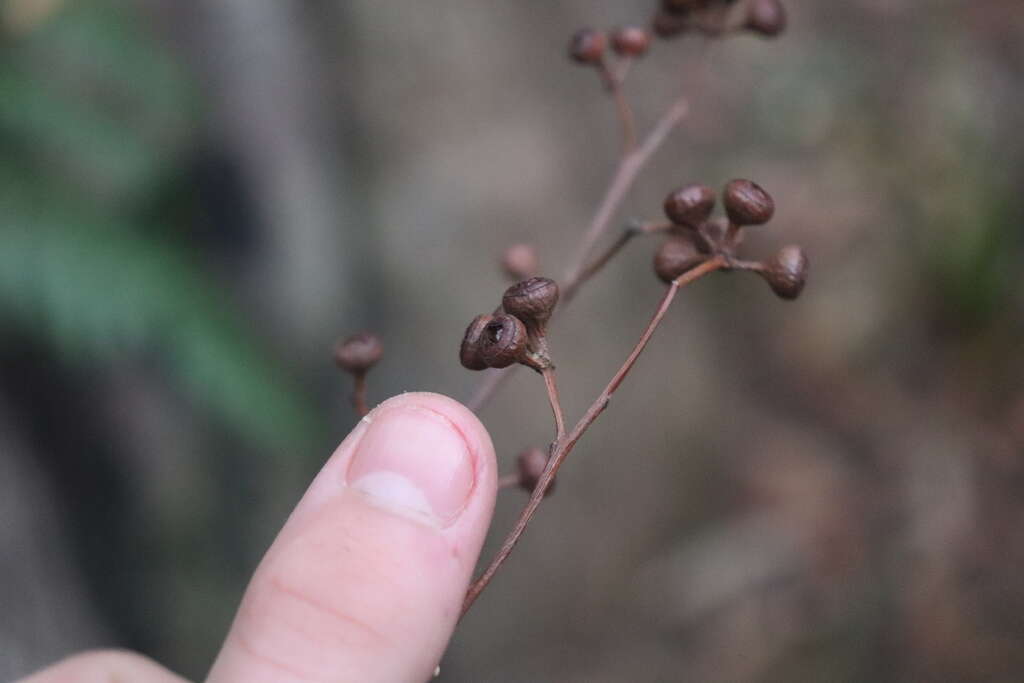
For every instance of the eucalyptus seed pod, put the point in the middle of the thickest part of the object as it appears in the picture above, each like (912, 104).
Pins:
(766, 17)
(520, 261)
(358, 353)
(690, 204)
(530, 465)
(746, 203)
(786, 272)
(532, 301)
(630, 41)
(470, 351)
(675, 256)
(503, 341)
(587, 46)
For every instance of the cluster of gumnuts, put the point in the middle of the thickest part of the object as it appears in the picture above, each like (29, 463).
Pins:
(694, 236)
(516, 332)
(718, 17)
(713, 18)
(588, 46)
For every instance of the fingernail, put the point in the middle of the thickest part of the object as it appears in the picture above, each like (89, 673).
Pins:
(415, 462)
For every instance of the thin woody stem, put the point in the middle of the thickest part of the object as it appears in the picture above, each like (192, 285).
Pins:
(756, 266)
(625, 175)
(613, 83)
(608, 254)
(732, 235)
(561, 448)
(359, 394)
(625, 113)
(622, 70)
(622, 181)
(551, 384)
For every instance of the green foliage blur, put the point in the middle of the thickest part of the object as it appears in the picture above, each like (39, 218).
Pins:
(97, 122)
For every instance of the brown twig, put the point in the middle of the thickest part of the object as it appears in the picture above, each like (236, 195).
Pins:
(625, 175)
(608, 254)
(561, 447)
(359, 394)
(613, 84)
(732, 234)
(755, 266)
(622, 69)
(551, 384)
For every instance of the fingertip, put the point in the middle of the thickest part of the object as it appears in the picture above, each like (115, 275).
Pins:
(369, 573)
(104, 665)
(477, 438)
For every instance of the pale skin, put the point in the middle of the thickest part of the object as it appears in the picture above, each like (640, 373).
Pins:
(367, 577)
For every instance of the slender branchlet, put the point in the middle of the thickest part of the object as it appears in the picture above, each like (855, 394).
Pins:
(356, 355)
(693, 245)
(718, 18)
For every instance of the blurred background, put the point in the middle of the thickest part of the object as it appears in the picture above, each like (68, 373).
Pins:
(198, 198)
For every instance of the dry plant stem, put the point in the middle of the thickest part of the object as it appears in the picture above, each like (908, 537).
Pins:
(625, 175)
(614, 248)
(551, 384)
(359, 395)
(732, 234)
(624, 66)
(622, 180)
(613, 83)
(561, 448)
(597, 264)
(737, 264)
(625, 113)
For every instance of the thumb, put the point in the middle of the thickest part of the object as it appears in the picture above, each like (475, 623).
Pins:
(366, 579)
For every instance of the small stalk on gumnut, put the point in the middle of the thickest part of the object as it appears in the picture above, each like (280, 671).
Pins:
(356, 355)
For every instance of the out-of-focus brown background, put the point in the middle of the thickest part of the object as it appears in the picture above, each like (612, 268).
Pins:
(198, 197)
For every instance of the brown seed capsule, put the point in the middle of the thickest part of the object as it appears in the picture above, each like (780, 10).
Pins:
(766, 17)
(786, 272)
(630, 41)
(358, 353)
(469, 352)
(675, 256)
(532, 301)
(520, 261)
(530, 466)
(503, 341)
(587, 46)
(690, 205)
(746, 203)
